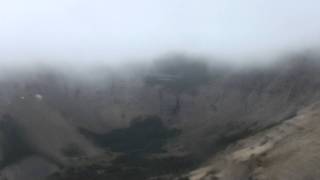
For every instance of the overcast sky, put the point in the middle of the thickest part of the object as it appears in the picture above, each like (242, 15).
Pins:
(132, 29)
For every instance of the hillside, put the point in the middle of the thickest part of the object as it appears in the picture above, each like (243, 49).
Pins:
(160, 121)
(286, 151)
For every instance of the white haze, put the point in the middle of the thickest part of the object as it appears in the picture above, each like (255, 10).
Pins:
(90, 31)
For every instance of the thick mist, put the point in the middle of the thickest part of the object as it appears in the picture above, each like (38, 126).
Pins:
(86, 32)
(87, 84)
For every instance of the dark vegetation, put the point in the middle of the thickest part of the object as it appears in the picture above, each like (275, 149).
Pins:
(129, 167)
(143, 137)
(146, 135)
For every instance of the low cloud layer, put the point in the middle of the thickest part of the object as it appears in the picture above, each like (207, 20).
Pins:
(85, 31)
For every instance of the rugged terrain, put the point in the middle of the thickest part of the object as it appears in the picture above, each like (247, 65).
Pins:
(177, 119)
(286, 151)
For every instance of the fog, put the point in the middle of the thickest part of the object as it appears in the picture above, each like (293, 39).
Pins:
(73, 72)
(86, 32)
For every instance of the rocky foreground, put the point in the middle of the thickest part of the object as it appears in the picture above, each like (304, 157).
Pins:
(289, 150)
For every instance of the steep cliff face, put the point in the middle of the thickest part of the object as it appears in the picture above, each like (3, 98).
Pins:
(63, 118)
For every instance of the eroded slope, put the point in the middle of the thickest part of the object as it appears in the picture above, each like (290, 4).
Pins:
(289, 150)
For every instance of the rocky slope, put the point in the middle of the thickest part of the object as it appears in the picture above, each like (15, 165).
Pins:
(289, 150)
(178, 112)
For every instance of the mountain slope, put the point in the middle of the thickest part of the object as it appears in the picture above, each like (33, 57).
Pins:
(289, 150)
(200, 109)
